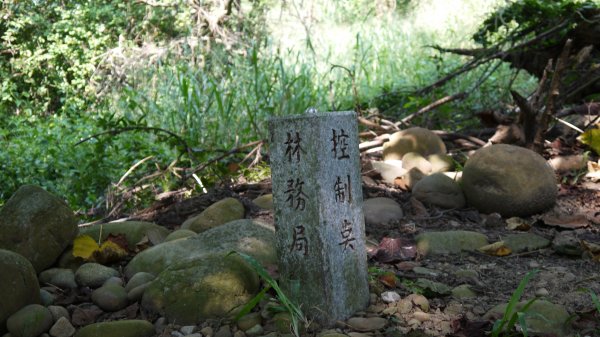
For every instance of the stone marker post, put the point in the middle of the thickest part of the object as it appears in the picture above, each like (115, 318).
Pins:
(319, 221)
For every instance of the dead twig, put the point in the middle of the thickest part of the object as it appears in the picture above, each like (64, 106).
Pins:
(553, 95)
(235, 150)
(431, 106)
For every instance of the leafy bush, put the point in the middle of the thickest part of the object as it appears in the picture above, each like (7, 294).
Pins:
(50, 49)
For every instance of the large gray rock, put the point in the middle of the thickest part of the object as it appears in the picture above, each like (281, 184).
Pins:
(125, 328)
(31, 321)
(381, 211)
(221, 212)
(247, 236)
(134, 231)
(415, 139)
(202, 287)
(37, 225)
(509, 180)
(439, 190)
(18, 285)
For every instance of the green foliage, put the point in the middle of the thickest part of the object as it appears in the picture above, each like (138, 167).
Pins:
(511, 314)
(521, 18)
(290, 307)
(51, 49)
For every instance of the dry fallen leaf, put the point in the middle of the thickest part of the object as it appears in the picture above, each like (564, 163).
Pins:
(395, 249)
(388, 279)
(496, 249)
(566, 221)
(84, 246)
(517, 224)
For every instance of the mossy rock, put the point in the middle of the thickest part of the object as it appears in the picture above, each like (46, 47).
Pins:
(134, 231)
(221, 212)
(18, 285)
(208, 286)
(37, 225)
(248, 236)
(439, 190)
(124, 328)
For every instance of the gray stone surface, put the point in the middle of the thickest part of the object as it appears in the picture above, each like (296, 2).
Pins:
(124, 328)
(449, 242)
(247, 236)
(543, 318)
(110, 297)
(439, 190)
(62, 328)
(139, 279)
(509, 180)
(37, 225)
(30, 321)
(180, 234)
(18, 285)
(317, 196)
(219, 213)
(134, 231)
(525, 242)
(94, 275)
(207, 286)
(381, 210)
(60, 277)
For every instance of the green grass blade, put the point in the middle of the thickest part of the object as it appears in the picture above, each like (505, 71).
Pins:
(252, 303)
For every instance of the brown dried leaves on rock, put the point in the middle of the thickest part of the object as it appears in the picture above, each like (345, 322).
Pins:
(392, 250)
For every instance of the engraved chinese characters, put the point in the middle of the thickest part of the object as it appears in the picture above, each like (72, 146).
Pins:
(318, 213)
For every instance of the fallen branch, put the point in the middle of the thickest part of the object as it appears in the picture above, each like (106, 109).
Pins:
(201, 167)
(431, 106)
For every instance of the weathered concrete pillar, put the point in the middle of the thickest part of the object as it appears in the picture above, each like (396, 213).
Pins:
(317, 194)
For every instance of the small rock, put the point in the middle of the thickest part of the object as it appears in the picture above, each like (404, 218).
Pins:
(124, 328)
(31, 321)
(221, 212)
(177, 334)
(389, 170)
(187, 329)
(47, 298)
(85, 314)
(249, 320)
(93, 275)
(110, 297)
(60, 277)
(425, 271)
(440, 163)
(264, 201)
(439, 190)
(138, 279)
(160, 323)
(543, 317)
(197, 334)
(422, 316)
(180, 234)
(390, 296)
(420, 301)
(58, 312)
(412, 160)
(358, 334)
(224, 331)
(239, 333)
(381, 211)
(415, 139)
(114, 280)
(255, 330)
(567, 243)
(449, 242)
(62, 328)
(463, 291)
(541, 292)
(367, 323)
(136, 293)
(525, 242)
(207, 331)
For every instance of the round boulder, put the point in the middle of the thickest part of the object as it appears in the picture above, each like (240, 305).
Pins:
(509, 180)
(134, 231)
(221, 212)
(439, 190)
(18, 285)
(416, 139)
(37, 225)
(201, 287)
